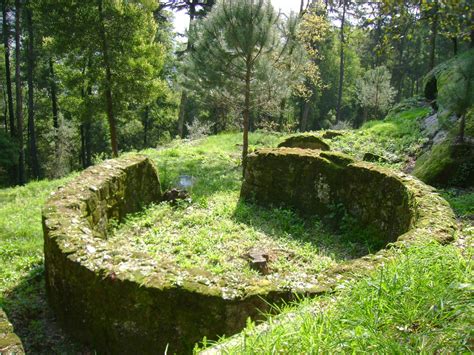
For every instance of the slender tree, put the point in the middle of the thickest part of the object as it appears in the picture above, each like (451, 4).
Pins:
(33, 151)
(6, 44)
(19, 94)
(108, 80)
(236, 44)
(341, 62)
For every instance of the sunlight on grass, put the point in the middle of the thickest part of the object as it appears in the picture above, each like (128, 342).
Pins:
(413, 304)
(21, 235)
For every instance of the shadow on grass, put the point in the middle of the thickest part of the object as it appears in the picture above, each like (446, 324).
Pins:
(283, 224)
(34, 322)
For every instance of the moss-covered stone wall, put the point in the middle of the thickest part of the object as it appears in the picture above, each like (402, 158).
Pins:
(128, 311)
(331, 185)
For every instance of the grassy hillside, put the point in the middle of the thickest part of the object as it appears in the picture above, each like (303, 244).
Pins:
(386, 303)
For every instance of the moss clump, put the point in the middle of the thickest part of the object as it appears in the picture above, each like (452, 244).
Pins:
(10, 343)
(451, 162)
(305, 141)
(448, 164)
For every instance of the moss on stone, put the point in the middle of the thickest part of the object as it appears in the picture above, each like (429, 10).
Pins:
(305, 141)
(139, 309)
(315, 182)
(10, 343)
(451, 85)
(450, 163)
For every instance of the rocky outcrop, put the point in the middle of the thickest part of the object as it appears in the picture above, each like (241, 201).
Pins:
(450, 159)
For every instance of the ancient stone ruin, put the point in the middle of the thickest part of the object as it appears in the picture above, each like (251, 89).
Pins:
(134, 308)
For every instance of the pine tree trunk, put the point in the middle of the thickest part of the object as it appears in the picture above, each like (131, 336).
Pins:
(6, 44)
(31, 110)
(341, 64)
(145, 126)
(5, 109)
(108, 82)
(54, 99)
(19, 95)
(455, 45)
(304, 117)
(182, 107)
(245, 145)
(83, 146)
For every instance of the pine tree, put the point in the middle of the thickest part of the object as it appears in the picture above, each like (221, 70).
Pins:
(237, 49)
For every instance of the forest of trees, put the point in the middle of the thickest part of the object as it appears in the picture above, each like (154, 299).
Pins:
(85, 80)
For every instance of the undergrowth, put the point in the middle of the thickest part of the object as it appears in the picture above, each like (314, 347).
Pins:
(394, 139)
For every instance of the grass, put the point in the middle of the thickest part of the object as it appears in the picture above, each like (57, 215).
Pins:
(461, 201)
(21, 235)
(413, 304)
(395, 139)
(215, 232)
(421, 302)
(22, 291)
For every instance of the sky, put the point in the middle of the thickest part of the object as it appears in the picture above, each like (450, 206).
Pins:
(181, 20)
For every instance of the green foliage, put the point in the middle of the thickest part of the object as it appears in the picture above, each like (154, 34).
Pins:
(462, 202)
(455, 83)
(414, 303)
(374, 90)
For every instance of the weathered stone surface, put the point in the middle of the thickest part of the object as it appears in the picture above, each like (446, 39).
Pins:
(125, 312)
(330, 134)
(449, 86)
(323, 183)
(371, 157)
(10, 343)
(449, 162)
(305, 141)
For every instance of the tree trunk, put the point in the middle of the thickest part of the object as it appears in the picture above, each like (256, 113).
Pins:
(181, 115)
(54, 99)
(5, 109)
(434, 33)
(304, 117)
(31, 110)
(455, 45)
(6, 44)
(341, 64)
(245, 145)
(19, 95)
(83, 146)
(108, 82)
(145, 126)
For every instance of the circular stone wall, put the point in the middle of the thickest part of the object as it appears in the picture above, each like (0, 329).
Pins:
(133, 308)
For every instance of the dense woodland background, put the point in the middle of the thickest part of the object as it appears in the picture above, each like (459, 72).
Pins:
(85, 80)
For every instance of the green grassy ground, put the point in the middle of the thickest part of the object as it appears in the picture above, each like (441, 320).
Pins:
(214, 233)
(214, 162)
(419, 302)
